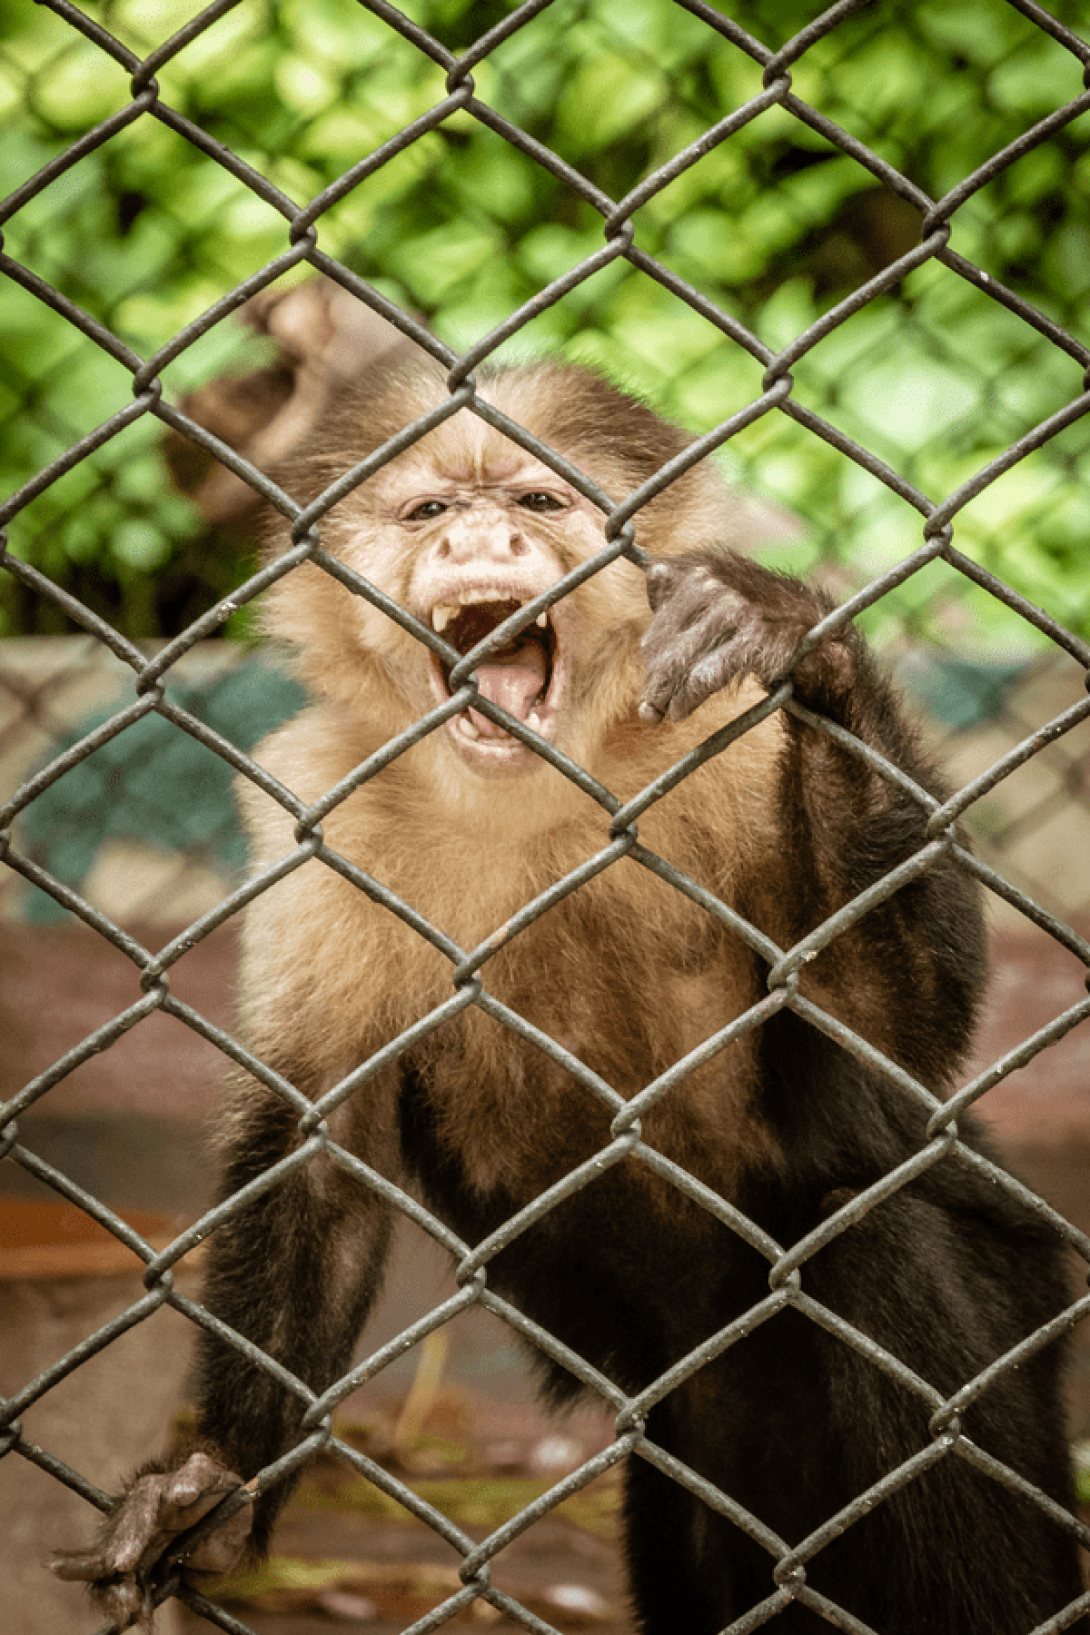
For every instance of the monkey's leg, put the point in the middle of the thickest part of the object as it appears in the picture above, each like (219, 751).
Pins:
(293, 1272)
(662, 1526)
(909, 973)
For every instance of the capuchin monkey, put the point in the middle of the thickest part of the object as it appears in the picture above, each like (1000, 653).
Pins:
(783, 1122)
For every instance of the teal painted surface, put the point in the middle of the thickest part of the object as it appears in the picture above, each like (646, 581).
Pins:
(962, 694)
(156, 784)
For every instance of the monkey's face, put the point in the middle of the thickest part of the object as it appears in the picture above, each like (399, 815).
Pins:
(484, 551)
(464, 531)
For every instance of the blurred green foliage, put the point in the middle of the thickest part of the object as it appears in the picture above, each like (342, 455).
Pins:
(775, 225)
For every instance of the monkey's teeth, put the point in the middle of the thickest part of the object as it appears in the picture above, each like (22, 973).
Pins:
(469, 727)
(443, 612)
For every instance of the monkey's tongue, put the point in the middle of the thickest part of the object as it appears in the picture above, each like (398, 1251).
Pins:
(515, 685)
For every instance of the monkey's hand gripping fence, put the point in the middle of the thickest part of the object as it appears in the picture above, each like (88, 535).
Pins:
(469, 966)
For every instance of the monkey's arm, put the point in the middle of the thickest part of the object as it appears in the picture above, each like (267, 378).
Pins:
(910, 970)
(294, 1271)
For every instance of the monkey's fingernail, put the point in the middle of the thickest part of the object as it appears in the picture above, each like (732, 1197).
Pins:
(650, 713)
(77, 1565)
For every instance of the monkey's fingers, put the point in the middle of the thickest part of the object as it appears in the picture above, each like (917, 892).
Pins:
(708, 676)
(77, 1566)
(122, 1600)
(173, 1503)
(224, 1546)
(125, 1603)
(142, 1526)
(189, 1492)
(690, 654)
(135, 1536)
(672, 579)
(128, 1536)
(690, 649)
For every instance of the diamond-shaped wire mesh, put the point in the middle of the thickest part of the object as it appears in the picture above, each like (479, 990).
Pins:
(373, 104)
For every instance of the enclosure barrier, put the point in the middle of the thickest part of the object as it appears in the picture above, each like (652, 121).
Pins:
(469, 966)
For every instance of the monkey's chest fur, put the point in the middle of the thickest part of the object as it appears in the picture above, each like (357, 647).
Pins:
(581, 1018)
(523, 1106)
(624, 1267)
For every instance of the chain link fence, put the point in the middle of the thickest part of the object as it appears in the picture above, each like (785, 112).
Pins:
(919, 567)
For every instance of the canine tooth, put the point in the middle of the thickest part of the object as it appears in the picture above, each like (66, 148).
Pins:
(542, 621)
(441, 615)
(468, 727)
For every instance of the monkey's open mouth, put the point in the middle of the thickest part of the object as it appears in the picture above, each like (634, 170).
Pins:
(519, 676)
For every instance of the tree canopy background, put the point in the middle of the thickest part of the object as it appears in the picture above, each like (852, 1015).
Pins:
(775, 225)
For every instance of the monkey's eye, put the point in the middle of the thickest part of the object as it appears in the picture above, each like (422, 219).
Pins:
(536, 501)
(426, 509)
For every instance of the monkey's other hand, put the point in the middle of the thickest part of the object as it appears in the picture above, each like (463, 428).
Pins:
(119, 1569)
(718, 616)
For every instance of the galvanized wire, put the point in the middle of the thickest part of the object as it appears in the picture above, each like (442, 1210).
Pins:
(469, 966)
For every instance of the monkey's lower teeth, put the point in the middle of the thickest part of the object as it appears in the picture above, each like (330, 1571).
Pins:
(479, 727)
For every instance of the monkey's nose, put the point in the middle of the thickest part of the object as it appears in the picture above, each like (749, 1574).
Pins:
(462, 545)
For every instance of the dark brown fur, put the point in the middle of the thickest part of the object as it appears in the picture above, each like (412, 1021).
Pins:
(628, 975)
